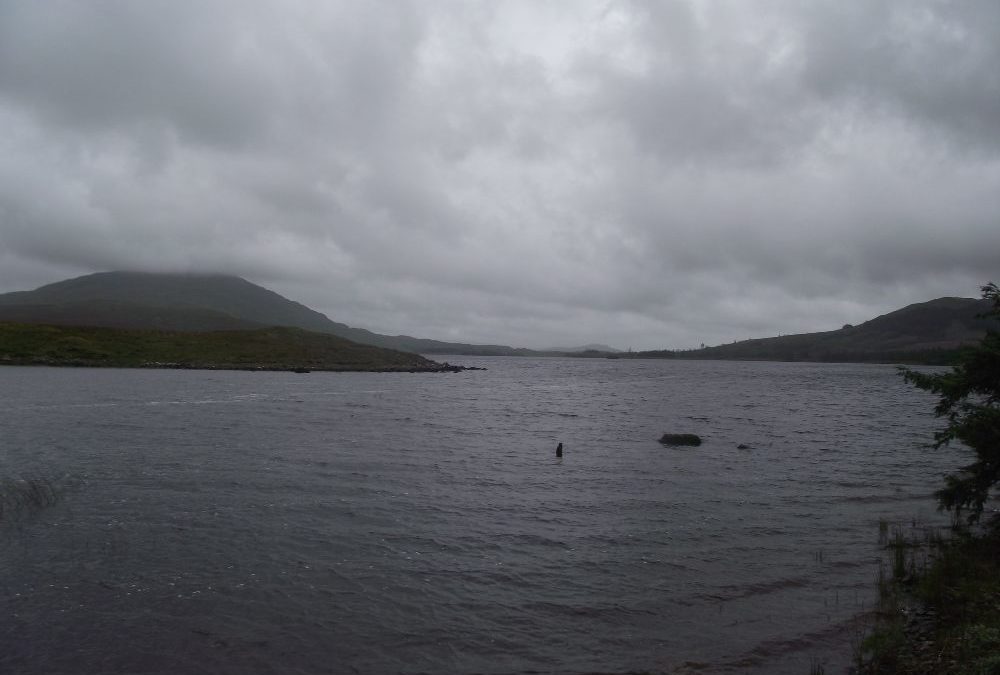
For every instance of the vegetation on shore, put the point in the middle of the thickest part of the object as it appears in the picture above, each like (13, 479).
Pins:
(969, 398)
(938, 607)
(939, 604)
(276, 348)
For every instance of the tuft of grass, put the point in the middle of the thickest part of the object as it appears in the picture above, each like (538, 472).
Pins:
(816, 668)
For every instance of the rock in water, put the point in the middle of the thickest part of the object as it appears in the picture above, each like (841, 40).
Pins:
(680, 439)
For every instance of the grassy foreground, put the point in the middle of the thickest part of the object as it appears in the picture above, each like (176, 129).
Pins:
(939, 605)
(275, 348)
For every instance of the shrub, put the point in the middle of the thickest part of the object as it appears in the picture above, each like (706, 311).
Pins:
(969, 398)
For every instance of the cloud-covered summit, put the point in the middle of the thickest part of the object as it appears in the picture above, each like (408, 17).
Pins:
(646, 175)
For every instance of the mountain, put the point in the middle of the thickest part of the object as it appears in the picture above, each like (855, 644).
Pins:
(197, 302)
(179, 298)
(926, 332)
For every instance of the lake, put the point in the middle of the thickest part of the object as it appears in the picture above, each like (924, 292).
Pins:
(239, 522)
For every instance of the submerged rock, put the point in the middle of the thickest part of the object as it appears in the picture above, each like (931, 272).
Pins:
(680, 439)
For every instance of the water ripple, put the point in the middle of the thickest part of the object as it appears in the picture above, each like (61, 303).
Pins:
(398, 523)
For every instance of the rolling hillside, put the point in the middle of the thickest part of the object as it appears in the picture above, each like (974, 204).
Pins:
(186, 302)
(121, 315)
(926, 332)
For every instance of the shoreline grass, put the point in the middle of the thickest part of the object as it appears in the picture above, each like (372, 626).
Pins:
(938, 609)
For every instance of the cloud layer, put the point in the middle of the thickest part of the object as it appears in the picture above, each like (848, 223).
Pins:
(644, 174)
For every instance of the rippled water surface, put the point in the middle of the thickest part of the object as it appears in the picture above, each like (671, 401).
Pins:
(231, 522)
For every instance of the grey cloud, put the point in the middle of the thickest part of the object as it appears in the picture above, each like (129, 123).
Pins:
(930, 64)
(645, 175)
(110, 65)
(227, 73)
(786, 71)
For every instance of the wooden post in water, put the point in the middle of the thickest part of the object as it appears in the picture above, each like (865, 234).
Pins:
(559, 450)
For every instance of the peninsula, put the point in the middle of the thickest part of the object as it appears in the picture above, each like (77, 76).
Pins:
(274, 348)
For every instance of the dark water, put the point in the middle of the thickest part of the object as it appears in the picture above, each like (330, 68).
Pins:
(217, 522)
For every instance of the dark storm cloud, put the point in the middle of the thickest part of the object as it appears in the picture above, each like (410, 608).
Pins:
(642, 174)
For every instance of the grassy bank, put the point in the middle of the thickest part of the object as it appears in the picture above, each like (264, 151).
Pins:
(264, 349)
(939, 604)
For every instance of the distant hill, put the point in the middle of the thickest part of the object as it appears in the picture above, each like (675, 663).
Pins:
(276, 348)
(176, 299)
(926, 332)
(189, 302)
(604, 349)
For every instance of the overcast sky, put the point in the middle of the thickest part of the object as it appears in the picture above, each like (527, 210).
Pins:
(529, 173)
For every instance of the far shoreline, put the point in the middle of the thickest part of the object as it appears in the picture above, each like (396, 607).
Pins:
(255, 368)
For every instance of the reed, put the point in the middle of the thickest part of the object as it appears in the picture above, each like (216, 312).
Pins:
(899, 547)
(816, 668)
(938, 603)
